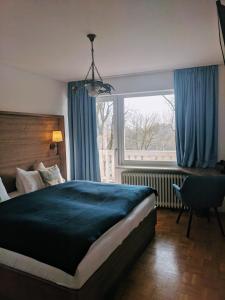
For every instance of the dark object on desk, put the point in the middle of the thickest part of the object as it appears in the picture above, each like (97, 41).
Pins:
(199, 194)
(220, 166)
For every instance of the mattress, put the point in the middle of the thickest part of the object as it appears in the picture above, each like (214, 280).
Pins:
(100, 250)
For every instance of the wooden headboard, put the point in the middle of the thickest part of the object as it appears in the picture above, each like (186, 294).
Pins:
(25, 140)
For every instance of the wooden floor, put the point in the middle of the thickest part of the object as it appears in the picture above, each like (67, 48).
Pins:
(174, 267)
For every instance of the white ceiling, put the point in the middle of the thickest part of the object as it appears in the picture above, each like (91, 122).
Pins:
(49, 36)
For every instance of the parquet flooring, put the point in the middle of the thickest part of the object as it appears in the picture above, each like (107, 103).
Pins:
(176, 268)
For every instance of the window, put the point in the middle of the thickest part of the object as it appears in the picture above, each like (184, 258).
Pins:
(105, 131)
(149, 129)
(141, 127)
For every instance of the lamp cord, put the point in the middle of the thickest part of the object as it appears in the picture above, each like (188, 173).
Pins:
(93, 61)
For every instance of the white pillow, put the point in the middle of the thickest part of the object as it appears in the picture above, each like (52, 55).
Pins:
(3, 193)
(19, 183)
(53, 169)
(30, 180)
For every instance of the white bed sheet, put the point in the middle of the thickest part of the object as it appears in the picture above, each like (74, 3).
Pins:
(95, 257)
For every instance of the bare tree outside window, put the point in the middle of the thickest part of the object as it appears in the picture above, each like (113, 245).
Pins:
(140, 130)
(104, 112)
(149, 128)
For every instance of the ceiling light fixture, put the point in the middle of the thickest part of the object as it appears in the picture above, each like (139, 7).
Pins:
(93, 86)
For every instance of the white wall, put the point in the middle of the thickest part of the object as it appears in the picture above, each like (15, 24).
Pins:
(142, 82)
(26, 92)
(22, 91)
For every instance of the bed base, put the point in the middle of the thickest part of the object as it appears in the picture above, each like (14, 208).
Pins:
(17, 285)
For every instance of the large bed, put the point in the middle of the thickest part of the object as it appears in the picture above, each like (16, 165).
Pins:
(108, 257)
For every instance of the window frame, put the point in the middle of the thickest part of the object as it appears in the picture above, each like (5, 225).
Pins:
(119, 129)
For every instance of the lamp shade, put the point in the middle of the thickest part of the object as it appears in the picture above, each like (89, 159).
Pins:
(93, 89)
(57, 136)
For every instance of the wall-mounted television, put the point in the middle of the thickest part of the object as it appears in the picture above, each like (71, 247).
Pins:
(221, 15)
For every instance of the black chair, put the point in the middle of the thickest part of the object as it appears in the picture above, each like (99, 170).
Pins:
(199, 194)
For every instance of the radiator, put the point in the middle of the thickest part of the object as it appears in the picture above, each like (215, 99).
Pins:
(161, 181)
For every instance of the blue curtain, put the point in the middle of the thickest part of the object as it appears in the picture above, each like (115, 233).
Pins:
(196, 110)
(83, 134)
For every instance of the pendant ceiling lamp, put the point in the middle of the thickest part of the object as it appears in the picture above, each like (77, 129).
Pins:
(95, 86)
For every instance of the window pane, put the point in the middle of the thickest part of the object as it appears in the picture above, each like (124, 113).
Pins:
(149, 129)
(104, 111)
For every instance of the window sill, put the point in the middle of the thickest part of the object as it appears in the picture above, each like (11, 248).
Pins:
(188, 171)
(147, 167)
(150, 168)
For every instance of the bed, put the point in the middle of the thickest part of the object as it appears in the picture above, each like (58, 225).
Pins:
(111, 254)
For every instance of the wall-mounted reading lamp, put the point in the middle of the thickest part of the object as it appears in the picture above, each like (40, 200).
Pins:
(56, 138)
